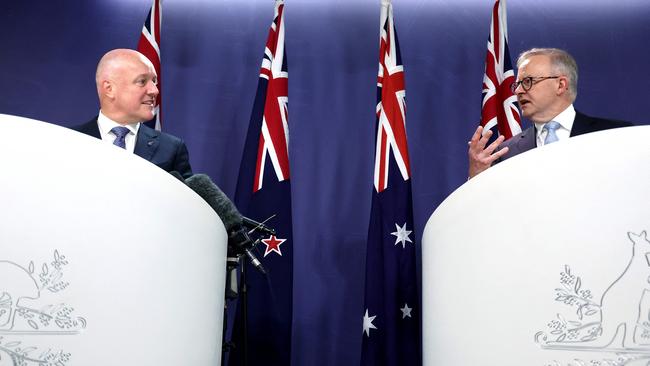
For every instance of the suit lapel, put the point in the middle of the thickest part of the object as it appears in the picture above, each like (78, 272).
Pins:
(90, 128)
(527, 140)
(146, 142)
(581, 124)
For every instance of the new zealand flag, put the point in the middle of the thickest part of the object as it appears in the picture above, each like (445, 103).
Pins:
(391, 331)
(264, 190)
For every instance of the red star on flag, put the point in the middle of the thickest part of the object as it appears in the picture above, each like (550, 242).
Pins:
(272, 245)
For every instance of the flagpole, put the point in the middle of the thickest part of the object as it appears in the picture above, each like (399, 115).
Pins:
(244, 299)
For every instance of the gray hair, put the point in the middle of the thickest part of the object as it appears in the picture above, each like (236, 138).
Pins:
(562, 63)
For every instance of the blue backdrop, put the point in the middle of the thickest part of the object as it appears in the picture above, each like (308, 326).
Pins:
(211, 54)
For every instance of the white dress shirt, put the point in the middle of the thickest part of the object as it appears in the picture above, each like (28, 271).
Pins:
(105, 125)
(565, 119)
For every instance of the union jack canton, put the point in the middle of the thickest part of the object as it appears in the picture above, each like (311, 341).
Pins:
(149, 45)
(500, 110)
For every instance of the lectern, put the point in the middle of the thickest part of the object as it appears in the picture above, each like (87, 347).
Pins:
(105, 259)
(544, 259)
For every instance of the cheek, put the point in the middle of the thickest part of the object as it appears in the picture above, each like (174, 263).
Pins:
(132, 98)
(547, 98)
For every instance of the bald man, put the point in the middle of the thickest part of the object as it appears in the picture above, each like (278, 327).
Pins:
(126, 85)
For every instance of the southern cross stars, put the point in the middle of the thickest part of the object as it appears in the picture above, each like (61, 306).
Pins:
(367, 323)
(367, 320)
(402, 235)
(406, 311)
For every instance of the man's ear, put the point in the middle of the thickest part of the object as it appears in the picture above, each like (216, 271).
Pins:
(563, 85)
(108, 88)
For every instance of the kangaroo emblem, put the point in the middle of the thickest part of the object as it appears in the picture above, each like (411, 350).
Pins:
(621, 302)
(619, 324)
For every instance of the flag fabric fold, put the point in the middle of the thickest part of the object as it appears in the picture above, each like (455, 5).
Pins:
(499, 111)
(263, 190)
(391, 314)
(149, 45)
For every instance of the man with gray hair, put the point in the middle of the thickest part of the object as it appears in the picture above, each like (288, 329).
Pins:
(546, 87)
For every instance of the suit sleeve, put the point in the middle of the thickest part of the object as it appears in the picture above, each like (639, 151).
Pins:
(182, 161)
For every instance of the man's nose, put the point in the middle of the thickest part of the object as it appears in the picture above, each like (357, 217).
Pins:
(153, 89)
(519, 89)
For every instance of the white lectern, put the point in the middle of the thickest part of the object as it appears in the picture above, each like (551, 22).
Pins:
(544, 260)
(105, 259)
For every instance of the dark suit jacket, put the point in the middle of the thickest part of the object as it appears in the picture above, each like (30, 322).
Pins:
(582, 124)
(166, 151)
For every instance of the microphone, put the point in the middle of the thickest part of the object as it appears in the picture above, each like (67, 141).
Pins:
(220, 203)
(250, 224)
(223, 206)
(254, 225)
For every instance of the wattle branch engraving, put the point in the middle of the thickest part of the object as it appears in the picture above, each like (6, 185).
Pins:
(587, 325)
(16, 317)
(19, 355)
(20, 289)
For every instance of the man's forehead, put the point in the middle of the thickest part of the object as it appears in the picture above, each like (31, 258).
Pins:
(534, 64)
(144, 60)
(141, 68)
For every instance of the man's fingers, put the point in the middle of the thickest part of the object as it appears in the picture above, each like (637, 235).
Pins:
(479, 140)
(480, 156)
(476, 135)
(485, 138)
(499, 154)
(493, 146)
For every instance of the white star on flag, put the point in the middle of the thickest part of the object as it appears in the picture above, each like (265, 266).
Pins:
(402, 235)
(406, 311)
(367, 323)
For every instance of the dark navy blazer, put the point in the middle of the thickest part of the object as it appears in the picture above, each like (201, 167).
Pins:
(166, 151)
(526, 140)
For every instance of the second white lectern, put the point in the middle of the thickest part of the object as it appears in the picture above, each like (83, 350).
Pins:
(544, 259)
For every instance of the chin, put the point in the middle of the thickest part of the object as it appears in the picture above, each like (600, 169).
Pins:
(528, 114)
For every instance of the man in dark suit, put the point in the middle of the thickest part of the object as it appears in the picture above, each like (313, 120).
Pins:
(546, 87)
(126, 86)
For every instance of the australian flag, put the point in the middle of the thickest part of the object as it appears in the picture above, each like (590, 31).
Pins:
(499, 110)
(149, 45)
(264, 190)
(391, 331)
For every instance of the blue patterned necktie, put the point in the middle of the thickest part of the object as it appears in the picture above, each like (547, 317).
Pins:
(550, 132)
(120, 132)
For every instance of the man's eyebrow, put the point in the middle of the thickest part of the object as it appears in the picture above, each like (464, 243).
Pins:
(146, 76)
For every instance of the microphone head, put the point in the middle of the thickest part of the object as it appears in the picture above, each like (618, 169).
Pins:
(220, 203)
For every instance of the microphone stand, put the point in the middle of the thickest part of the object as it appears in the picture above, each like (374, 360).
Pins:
(242, 249)
(231, 293)
(244, 308)
(244, 299)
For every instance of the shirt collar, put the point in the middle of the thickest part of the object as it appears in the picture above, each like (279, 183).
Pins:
(565, 119)
(105, 125)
